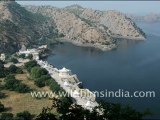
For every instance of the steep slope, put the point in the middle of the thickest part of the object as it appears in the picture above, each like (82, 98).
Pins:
(75, 29)
(19, 26)
(119, 25)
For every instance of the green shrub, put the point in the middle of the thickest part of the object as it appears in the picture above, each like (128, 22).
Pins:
(29, 65)
(12, 69)
(41, 82)
(2, 73)
(14, 60)
(19, 71)
(22, 56)
(37, 72)
(54, 86)
(23, 116)
(1, 64)
(22, 88)
(6, 116)
(12, 83)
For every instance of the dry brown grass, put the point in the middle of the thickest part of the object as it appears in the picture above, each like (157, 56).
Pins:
(18, 102)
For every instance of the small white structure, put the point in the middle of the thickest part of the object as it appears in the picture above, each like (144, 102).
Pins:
(76, 93)
(66, 84)
(42, 47)
(35, 55)
(2, 57)
(64, 72)
(23, 48)
(27, 52)
(88, 104)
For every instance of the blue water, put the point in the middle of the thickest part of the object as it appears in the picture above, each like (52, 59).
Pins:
(133, 66)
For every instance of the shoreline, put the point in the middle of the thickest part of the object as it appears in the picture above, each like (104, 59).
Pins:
(99, 46)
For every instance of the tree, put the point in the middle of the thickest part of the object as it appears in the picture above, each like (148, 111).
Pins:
(2, 70)
(2, 73)
(24, 116)
(62, 104)
(12, 83)
(53, 85)
(19, 71)
(14, 60)
(1, 64)
(37, 72)
(1, 107)
(41, 82)
(29, 65)
(12, 69)
(22, 56)
(6, 116)
(22, 88)
(117, 111)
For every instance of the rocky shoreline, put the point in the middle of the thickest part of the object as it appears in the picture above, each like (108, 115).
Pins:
(100, 47)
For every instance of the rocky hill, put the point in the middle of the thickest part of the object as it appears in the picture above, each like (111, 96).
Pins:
(21, 27)
(118, 24)
(81, 26)
(88, 27)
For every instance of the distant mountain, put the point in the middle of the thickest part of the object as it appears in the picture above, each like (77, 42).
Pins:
(88, 27)
(21, 27)
(146, 18)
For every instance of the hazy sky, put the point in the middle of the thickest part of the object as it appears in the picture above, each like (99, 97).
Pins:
(135, 7)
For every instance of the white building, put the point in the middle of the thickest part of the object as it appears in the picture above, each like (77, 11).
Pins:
(76, 93)
(42, 47)
(66, 84)
(2, 57)
(27, 52)
(89, 105)
(35, 55)
(64, 72)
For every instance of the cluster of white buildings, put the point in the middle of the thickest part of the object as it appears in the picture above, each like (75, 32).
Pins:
(34, 52)
(70, 84)
(65, 79)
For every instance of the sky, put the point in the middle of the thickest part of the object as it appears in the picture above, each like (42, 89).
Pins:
(132, 7)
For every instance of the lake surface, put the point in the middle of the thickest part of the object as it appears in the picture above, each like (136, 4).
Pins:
(133, 66)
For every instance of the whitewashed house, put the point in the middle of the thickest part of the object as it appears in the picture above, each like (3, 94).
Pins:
(64, 73)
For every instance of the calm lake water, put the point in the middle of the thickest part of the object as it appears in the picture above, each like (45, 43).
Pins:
(133, 66)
